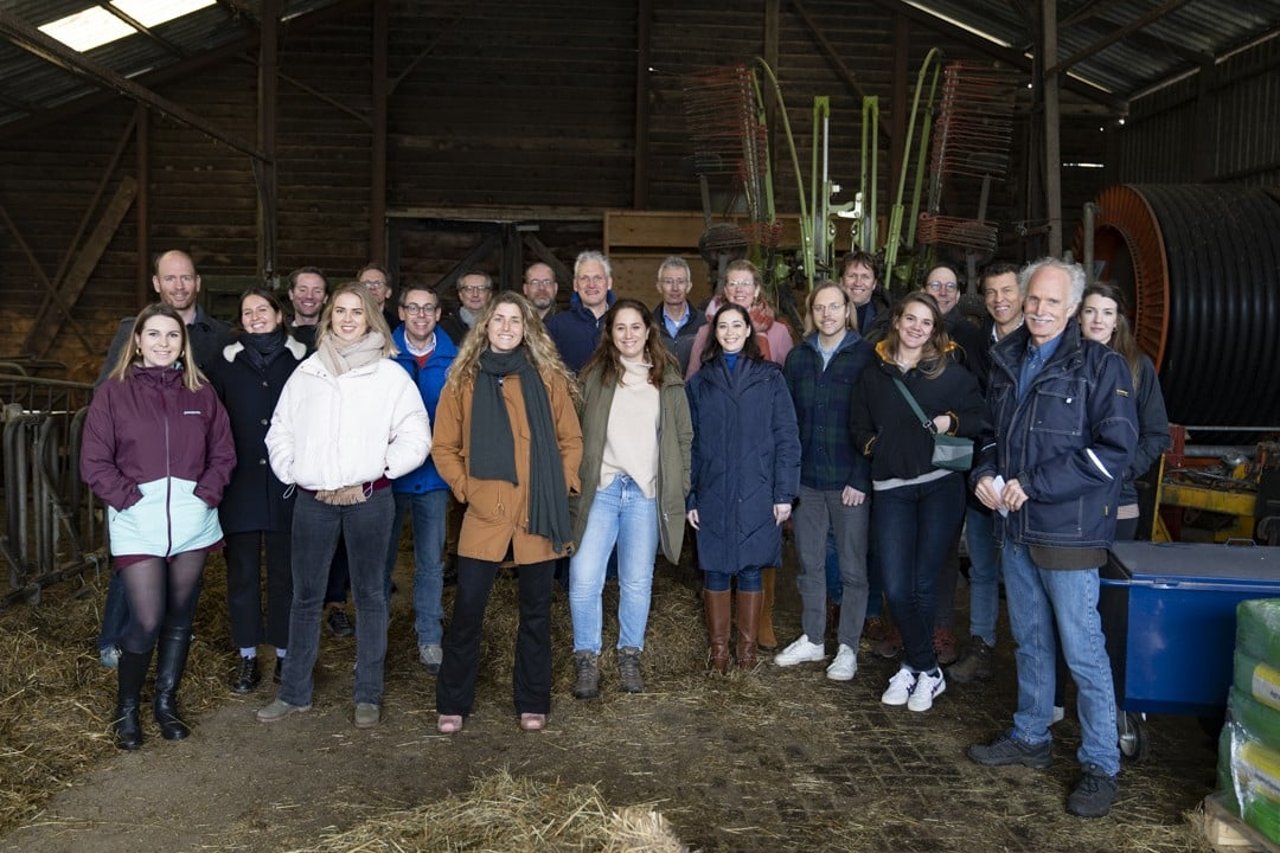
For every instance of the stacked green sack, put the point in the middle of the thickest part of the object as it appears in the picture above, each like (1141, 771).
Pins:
(1249, 749)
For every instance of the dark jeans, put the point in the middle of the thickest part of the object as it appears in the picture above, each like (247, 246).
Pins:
(915, 527)
(531, 679)
(366, 528)
(748, 580)
(244, 587)
(115, 613)
(338, 583)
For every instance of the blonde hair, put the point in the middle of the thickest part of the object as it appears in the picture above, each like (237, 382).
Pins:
(542, 350)
(192, 378)
(373, 315)
(850, 318)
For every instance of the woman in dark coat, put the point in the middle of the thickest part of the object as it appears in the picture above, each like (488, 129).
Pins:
(746, 473)
(257, 509)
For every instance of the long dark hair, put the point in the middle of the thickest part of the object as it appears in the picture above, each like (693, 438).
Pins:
(933, 354)
(1122, 339)
(608, 360)
(750, 349)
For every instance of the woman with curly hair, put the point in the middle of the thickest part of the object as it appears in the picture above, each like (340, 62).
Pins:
(636, 434)
(508, 443)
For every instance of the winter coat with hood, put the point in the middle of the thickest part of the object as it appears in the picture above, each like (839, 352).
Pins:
(675, 439)
(429, 380)
(159, 455)
(255, 498)
(745, 459)
(497, 514)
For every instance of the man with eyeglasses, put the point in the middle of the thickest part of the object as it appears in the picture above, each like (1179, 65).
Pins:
(475, 289)
(426, 356)
(377, 281)
(540, 288)
(576, 331)
(678, 322)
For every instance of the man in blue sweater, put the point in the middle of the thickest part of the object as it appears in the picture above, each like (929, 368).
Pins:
(576, 331)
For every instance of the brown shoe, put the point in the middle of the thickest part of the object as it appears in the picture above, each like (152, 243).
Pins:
(716, 607)
(748, 628)
(945, 647)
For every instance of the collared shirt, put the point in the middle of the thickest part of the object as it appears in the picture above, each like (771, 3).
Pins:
(674, 326)
(1035, 360)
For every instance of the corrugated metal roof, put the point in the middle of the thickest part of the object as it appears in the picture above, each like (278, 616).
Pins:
(30, 85)
(1163, 49)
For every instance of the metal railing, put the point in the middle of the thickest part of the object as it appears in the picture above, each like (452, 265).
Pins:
(53, 529)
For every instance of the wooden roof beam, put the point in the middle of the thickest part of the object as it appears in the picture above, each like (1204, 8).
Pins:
(146, 31)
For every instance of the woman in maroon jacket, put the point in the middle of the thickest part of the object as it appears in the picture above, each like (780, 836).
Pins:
(158, 450)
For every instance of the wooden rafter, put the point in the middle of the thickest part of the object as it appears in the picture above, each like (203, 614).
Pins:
(1105, 42)
(164, 43)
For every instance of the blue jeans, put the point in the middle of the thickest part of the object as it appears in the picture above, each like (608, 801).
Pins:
(984, 574)
(365, 527)
(916, 526)
(748, 580)
(115, 613)
(428, 511)
(1039, 599)
(619, 513)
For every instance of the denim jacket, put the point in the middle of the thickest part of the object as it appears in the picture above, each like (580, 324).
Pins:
(1068, 441)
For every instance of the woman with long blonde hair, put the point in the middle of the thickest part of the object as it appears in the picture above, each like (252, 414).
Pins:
(508, 443)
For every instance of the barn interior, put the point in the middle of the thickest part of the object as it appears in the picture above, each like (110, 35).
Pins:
(260, 136)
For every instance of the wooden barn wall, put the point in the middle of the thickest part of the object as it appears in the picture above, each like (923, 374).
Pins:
(1158, 142)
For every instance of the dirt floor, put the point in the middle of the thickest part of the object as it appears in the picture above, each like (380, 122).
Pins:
(776, 760)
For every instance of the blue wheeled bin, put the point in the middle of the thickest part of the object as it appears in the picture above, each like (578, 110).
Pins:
(1169, 614)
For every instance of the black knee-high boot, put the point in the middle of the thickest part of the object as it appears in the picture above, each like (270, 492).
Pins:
(131, 671)
(174, 644)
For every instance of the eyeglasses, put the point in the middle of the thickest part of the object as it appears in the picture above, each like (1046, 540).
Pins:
(374, 284)
(674, 282)
(939, 286)
(541, 282)
(473, 288)
(741, 285)
(415, 308)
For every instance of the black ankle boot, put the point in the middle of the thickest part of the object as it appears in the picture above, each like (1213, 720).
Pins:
(130, 673)
(174, 644)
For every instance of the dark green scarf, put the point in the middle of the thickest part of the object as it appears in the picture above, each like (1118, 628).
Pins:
(493, 455)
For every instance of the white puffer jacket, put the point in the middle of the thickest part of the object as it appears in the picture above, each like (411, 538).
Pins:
(333, 431)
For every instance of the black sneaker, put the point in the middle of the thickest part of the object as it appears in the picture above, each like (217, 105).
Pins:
(630, 679)
(247, 676)
(974, 664)
(586, 683)
(1094, 794)
(1005, 750)
(339, 624)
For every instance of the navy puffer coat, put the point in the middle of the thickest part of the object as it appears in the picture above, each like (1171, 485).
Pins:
(746, 458)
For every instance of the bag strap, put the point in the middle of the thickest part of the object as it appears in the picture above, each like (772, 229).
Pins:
(925, 420)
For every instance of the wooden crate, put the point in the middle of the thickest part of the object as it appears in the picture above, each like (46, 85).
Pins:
(1225, 831)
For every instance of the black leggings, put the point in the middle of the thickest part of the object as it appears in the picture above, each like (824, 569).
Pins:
(161, 593)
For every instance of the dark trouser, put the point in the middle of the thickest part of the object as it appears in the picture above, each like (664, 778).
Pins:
(338, 583)
(244, 587)
(365, 527)
(115, 613)
(915, 525)
(531, 680)
(162, 593)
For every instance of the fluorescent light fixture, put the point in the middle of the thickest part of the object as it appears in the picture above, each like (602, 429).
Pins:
(149, 13)
(1084, 165)
(86, 30)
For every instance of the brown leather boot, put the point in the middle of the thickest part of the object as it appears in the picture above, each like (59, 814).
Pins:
(716, 605)
(749, 620)
(765, 638)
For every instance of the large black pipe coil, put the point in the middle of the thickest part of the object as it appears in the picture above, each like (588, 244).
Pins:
(1201, 267)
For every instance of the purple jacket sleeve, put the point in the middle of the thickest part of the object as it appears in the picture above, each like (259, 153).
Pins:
(98, 454)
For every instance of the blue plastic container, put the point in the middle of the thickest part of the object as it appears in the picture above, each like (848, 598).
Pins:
(1169, 613)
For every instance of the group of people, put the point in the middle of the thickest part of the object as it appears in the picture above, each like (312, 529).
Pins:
(577, 442)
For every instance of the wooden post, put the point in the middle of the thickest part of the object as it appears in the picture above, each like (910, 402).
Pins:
(644, 25)
(1052, 119)
(268, 55)
(378, 154)
(142, 209)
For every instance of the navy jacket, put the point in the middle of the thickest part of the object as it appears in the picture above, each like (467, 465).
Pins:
(576, 331)
(429, 379)
(1153, 430)
(255, 498)
(1068, 441)
(746, 458)
(681, 346)
(829, 461)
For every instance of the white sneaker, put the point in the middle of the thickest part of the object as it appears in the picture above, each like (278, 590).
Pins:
(845, 666)
(899, 687)
(927, 688)
(801, 651)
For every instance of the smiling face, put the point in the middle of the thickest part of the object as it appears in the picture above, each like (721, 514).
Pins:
(257, 316)
(1000, 293)
(348, 321)
(732, 331)
(741, 288)
(1048, 305)
(419, 314)
(159, 342)
(1098, 317)
(859, 282)
(176, 281)
(473, 292)
(308, 296)
(943, 285)
(592, 284)
(506, 328)
(830, 313)
(674, 286)
(914, 326)
(629, 334)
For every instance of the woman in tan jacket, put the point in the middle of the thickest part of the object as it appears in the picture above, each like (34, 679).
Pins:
(508, 443)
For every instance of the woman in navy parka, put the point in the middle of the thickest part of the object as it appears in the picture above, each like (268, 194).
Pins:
(158, 450)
